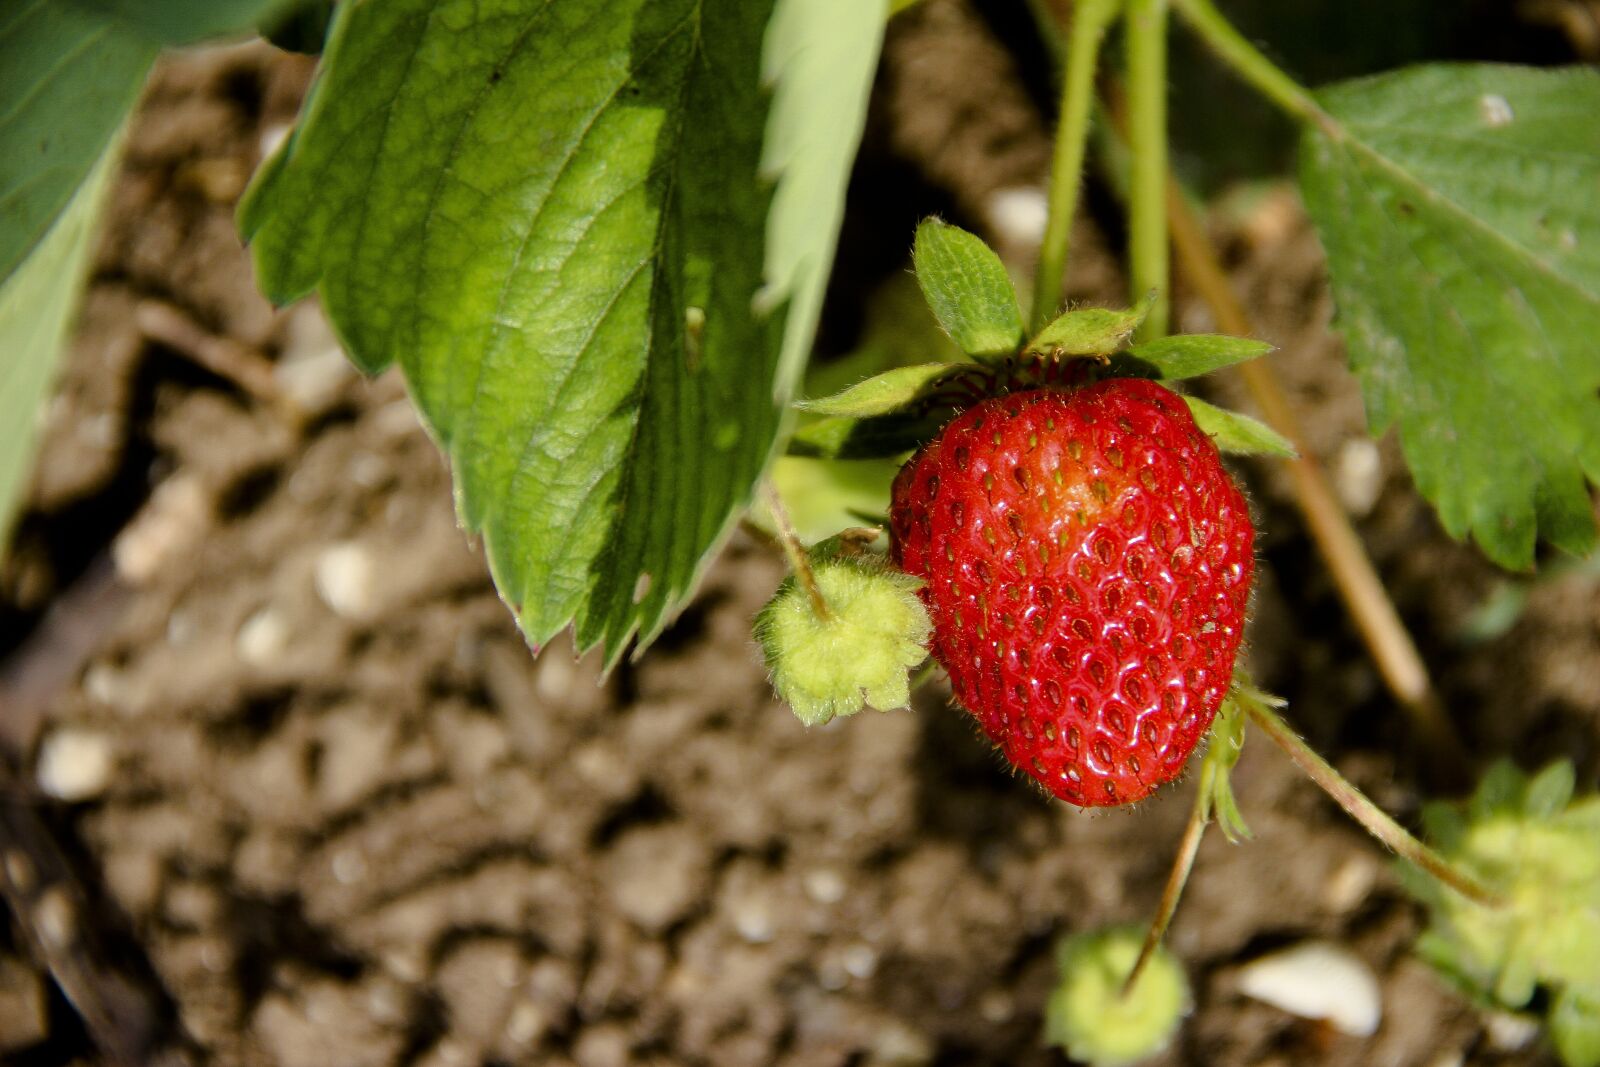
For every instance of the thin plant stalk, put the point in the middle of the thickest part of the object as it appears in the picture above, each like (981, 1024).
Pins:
(1247, 61)
(799, 562)
(1090, 20)
(1148, 251)
(1360, 807)
(1177, 878)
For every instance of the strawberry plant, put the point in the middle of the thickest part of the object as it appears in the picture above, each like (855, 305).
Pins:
(595, 239)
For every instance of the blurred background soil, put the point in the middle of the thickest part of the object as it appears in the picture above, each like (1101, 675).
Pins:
(288, 788)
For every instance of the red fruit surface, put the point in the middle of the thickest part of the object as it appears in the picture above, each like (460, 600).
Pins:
(1088, 565)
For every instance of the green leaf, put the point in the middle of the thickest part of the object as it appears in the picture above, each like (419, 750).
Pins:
(67, 79)
(820, 59)
(884, 393)
(36, 313)
(1238, 433)
(1191, 355)
(1090, 331)
(1458, 208)
(968, 289)
(553, 216)
(185, 21)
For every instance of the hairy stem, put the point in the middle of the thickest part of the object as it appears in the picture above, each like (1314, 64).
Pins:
(1177, 878)
(799, 562)
(1247, 61)
(1147, 136)
(1089, 22)
(1388, 641)
(1360, 807)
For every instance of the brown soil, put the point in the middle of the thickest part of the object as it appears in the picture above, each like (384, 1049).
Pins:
(351, 820)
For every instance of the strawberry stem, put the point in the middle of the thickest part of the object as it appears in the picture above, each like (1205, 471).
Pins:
(1148, 253)
(1247, 61)
(1360, 807)
(799, 561)
(1177, 878)
(1090, 19)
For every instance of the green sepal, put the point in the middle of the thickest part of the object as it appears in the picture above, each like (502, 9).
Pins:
(1225, 742)
(1192, 354)
(968, 289)
(886, 393)
(1236, 433)
(1090, 331)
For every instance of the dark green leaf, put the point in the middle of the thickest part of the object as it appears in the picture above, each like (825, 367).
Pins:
(553, 216)
(183, 21)
(1191, 355)
(67, 79)
(968, 289)
(1090, 331)
(1458, 207)
(1238, 433)
(885, 393)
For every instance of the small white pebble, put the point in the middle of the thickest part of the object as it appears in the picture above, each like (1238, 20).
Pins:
(20, 870)
(313, 380)
(860, 961)
(831, 975)
(273, 136)
(996, 1006)
(75, 764)
(105, 685)
(166, 528)
(396, 419)
(556, 676)
(1349, 884)
(1358, 475)
(526, 1024)
(55, 919)
(1018, 215)
(1317, 980)
(347, 580)
(1509, 1032)
(349, 866)
(752, 919)
(824, 885)
(263, 638)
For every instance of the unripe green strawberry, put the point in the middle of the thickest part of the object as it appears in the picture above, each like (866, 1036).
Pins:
(1087, 564)
(857, 651)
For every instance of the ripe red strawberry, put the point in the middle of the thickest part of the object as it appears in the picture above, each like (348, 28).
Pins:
(1087, 564)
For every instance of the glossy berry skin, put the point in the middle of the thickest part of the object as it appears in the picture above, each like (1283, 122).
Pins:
(1087, 563)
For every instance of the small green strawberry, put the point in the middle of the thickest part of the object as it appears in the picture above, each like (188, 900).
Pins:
(851, 644)
(1094, 1019)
